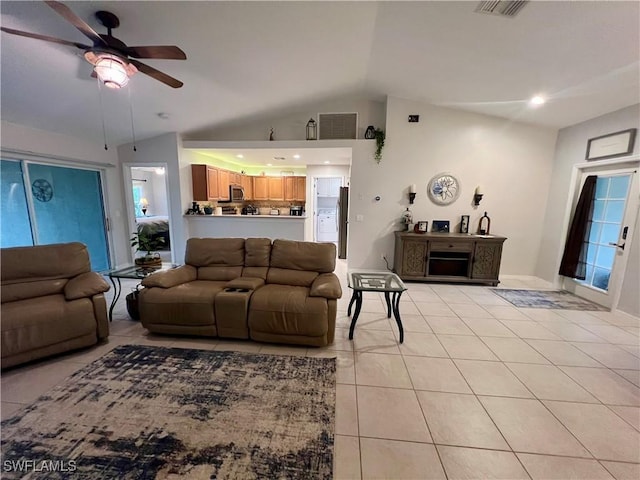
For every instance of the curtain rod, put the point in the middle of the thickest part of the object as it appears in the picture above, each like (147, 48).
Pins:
(139, 179)
(42, 156)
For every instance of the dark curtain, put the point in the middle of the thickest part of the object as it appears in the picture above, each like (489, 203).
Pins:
(574, 258)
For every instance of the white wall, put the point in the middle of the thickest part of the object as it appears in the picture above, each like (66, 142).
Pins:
(512, 162)
(70, 150)
(291, 124)
(570, 149)
(164, 149)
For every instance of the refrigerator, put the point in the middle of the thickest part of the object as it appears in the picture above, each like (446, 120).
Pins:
(343, 221)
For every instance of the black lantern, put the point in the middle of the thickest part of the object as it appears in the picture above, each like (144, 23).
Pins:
(312, 130)
(370, 133)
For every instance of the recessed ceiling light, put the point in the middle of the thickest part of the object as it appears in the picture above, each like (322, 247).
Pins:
(537, 100)
(269, 164)
(240, 155)
(296, 156)
(327, 161)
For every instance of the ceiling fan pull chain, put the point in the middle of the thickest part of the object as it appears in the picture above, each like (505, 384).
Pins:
(133, 129)
(104, 131)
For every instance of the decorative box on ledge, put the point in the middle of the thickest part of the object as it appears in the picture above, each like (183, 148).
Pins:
(448, 257)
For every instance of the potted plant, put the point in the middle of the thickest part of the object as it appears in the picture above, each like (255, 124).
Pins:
(145, 243)
(379, 136)
(208, 209)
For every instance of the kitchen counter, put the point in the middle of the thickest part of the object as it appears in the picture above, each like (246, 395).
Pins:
(287, 227)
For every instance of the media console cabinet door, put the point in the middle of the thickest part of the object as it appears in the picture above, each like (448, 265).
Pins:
(414, 258)
(486, 261)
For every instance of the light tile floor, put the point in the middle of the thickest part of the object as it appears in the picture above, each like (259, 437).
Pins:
(479, 389)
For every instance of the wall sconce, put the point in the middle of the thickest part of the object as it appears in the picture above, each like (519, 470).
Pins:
(144, 204)
(312, 130)
(412, 193)
(477, 196)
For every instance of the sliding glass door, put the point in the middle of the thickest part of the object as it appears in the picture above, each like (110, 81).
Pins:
(61, 204)
(15, 223)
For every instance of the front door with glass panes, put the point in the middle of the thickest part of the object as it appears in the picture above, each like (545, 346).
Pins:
(614, 213)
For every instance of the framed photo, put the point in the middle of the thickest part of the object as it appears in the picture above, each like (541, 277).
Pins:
(464, 224)
(420, 227)
(441, 226)
(616, 144)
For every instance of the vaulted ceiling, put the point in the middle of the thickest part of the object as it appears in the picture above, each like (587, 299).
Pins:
(250, 58)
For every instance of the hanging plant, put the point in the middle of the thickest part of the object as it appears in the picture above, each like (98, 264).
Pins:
(379, 136)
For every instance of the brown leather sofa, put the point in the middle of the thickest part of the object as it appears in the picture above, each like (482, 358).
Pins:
(51, 301)
(285, 292)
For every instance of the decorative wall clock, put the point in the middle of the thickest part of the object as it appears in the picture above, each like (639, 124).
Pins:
(42, 190)
(443, 189)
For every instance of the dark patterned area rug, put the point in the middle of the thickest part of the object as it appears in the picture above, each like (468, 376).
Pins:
(547, 299)
(144, 412)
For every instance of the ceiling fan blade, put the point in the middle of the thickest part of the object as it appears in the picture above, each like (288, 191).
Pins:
(167, 52)
(44, 37)
(77, 22)
(157, 74)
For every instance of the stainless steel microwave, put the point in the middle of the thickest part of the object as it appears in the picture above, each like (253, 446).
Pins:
(236, 193)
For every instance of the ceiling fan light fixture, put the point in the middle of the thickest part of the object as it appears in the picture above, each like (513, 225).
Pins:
(113, 71)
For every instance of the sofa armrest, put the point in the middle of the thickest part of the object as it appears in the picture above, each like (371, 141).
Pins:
(85, 285)
(249, 283)
(326, 285)
(171, 278)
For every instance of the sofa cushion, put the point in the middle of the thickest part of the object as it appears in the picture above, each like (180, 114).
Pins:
(216, 258)
(38, 322)
(205, 252)
(288, 310)
(63, 260)
(31, 289)
(257, 252)
(186, 304)
(298, 278)
(313, 257)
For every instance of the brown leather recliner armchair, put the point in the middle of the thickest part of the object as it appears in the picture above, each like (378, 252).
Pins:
(285, 292)
(51, 302)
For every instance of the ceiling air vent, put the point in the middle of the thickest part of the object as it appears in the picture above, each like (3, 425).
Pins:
(337, 126)
(504, 8)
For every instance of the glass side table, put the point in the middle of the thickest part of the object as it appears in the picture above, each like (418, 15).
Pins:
(134, 272)
(382, 282)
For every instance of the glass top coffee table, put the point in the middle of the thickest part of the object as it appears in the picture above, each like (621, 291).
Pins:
(134, 272)
(381, 282)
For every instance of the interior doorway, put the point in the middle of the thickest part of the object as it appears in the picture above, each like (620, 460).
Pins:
(615, 209)
(147, 199)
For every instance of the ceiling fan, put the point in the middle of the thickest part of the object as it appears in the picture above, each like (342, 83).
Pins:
(111, 58)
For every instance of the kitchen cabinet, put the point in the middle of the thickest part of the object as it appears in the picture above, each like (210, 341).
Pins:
(261, 188)
(448, 257)
(329, 187)
(235, 178)
(295, 188)
(247, 185)
(223, 184)
(301, 189)
(276, 188)
(204, 182)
